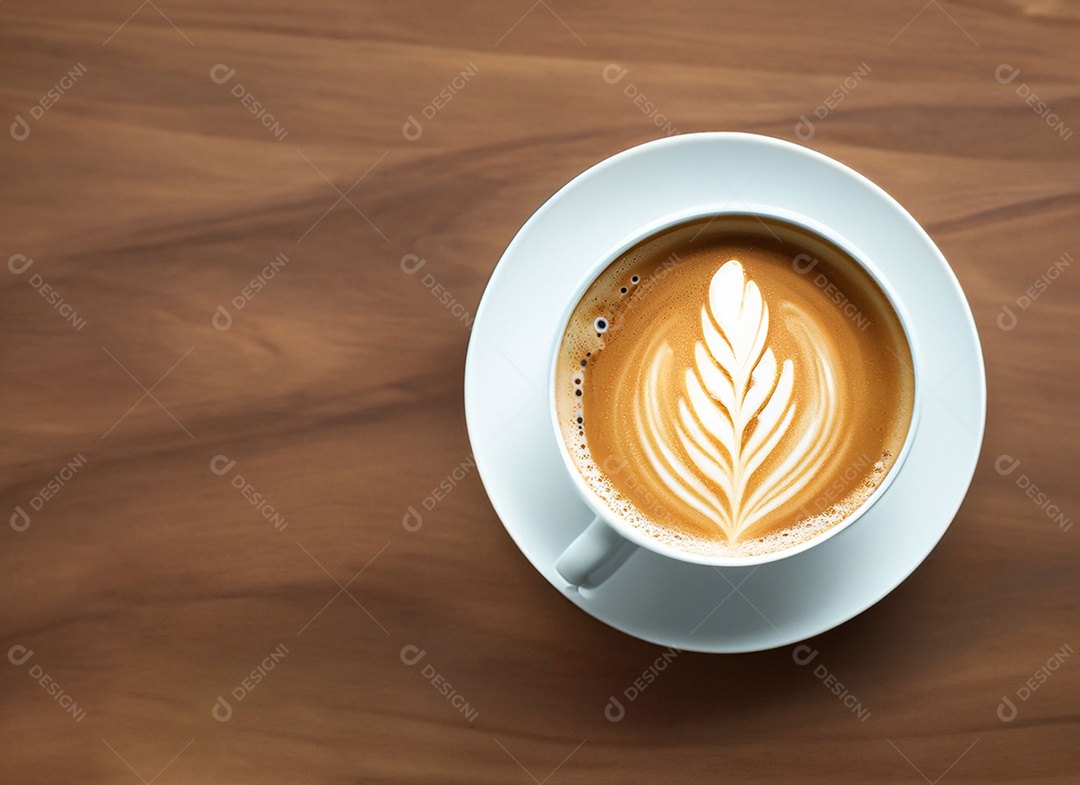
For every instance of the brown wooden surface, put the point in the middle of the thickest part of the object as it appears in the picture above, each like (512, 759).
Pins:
(148, 586)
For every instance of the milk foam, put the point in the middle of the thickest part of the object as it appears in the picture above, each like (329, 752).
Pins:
(722, 408)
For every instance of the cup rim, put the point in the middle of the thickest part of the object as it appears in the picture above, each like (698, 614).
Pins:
(675, 218)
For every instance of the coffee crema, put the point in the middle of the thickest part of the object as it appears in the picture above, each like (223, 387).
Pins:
(734, 386)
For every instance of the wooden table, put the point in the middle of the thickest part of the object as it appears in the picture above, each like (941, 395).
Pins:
(209, 348)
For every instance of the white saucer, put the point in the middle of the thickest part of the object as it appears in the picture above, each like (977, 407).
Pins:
(652, 597)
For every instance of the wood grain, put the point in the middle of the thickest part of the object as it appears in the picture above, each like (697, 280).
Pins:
(148, 195)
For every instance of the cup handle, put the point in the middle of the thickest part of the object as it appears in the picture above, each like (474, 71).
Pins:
(594, 556)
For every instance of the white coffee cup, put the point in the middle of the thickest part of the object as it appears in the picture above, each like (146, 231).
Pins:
(609, 540)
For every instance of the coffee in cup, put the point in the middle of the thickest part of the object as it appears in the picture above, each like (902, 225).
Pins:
(734, 386)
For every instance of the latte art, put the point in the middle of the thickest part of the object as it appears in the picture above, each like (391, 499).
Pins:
(724, 395)
(738, 411)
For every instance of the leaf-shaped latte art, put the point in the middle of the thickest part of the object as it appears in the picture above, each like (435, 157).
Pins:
(734, 451)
